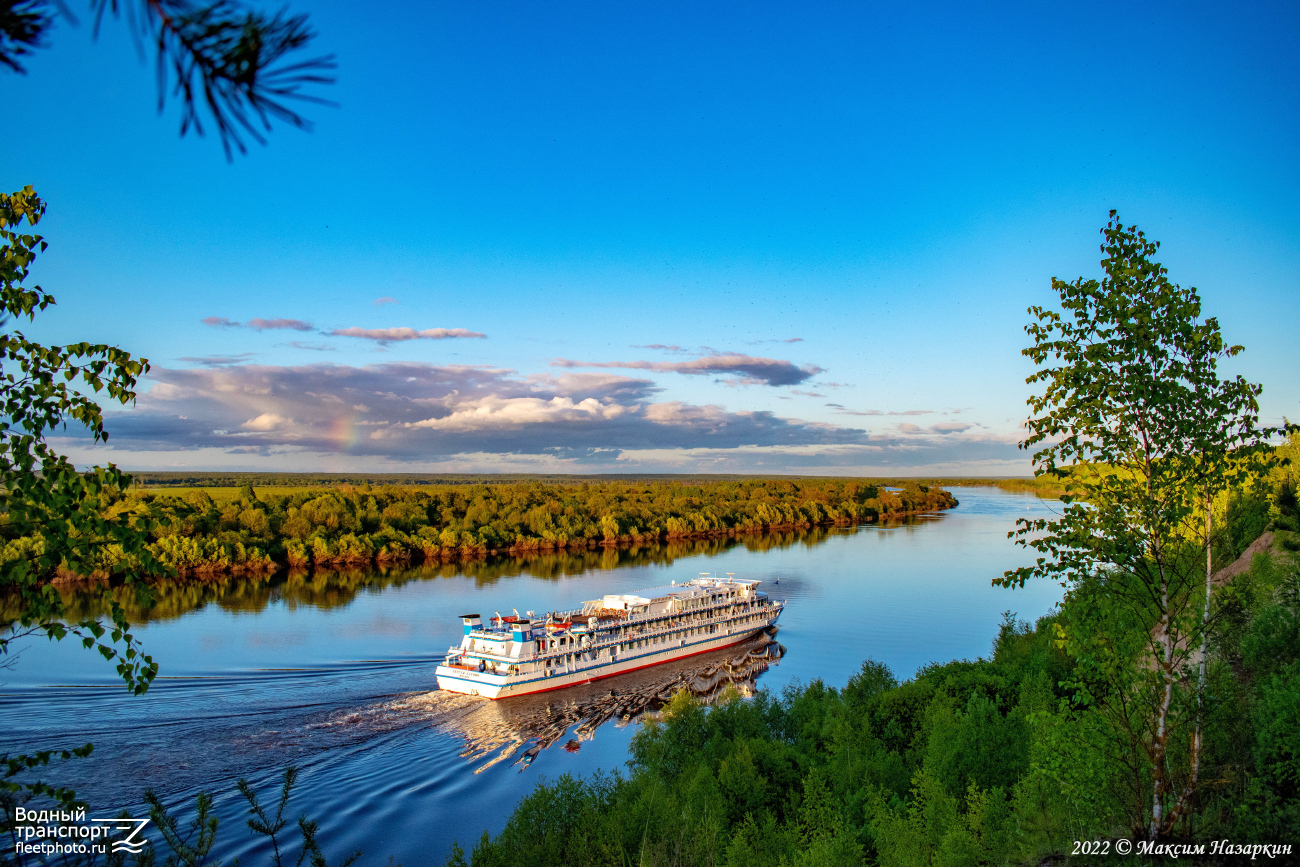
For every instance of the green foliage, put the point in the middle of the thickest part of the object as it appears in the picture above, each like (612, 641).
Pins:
(1284, 511)
(1272, 641)
(17, 787)
(55, 517)
(817, 776)
(195, 534)
(189, 847)
(875, 679)
(1134, 417)
(998, 761)
(1276, 718)
(52, 517)
(974, 746)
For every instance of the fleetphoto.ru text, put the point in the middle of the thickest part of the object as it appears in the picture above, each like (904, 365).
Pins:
(69, 832)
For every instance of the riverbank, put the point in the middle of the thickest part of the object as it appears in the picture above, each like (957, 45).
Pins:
(1009, 759)
(256, 532)
(332, 669)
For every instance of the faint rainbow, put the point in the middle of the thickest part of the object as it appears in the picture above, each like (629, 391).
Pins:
(343, 433)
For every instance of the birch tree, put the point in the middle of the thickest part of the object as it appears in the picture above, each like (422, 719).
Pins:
(1134, 414)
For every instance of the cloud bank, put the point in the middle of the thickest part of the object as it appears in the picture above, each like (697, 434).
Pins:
(747, 369)
(259, 324)
(379, 335)
(840, 408)
(416, 412)
(390, 335)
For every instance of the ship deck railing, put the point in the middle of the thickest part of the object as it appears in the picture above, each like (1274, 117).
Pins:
(630, 620)
(614, 640)
(461, 667)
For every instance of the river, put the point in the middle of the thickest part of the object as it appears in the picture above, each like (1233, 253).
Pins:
(334, 673)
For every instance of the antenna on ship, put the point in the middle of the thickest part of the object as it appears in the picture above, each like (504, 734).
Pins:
(730, 576)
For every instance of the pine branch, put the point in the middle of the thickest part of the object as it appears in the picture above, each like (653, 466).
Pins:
(22, 27)
(230, 65)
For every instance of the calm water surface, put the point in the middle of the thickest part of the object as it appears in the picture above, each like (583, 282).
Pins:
(343, 686)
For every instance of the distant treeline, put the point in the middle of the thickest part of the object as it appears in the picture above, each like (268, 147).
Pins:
(150, 480)
(349, 525)
(298, 480)
(1043, 486)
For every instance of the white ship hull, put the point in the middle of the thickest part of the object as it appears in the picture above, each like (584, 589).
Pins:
(491, 685)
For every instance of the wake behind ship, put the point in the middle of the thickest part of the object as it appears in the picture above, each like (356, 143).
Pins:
(616, 634)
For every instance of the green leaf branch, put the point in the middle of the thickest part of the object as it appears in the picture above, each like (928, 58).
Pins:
(42, 495)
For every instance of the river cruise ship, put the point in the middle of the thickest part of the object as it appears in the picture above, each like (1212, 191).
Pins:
(514, 655)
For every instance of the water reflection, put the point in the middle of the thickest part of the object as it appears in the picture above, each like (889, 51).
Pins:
(494, 731)
(334, 672)
(327, 588)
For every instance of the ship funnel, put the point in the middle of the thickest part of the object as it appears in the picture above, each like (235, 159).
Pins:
(521, 629)
(471, 621)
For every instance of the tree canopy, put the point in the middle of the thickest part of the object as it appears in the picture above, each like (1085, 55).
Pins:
(195, 533)
(1133, 407)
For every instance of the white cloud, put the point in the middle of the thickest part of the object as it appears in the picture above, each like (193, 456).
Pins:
(267, 421)
(494, 413)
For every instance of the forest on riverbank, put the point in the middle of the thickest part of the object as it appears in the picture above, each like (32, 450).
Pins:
(194, 533)
(1017, 758)
(336, 587)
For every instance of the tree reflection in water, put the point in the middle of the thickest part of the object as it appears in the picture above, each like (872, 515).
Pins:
(328, 588)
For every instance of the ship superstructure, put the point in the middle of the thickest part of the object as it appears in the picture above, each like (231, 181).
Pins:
(621, 632)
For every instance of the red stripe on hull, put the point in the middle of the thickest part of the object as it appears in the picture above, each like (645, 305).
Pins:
(630, 670)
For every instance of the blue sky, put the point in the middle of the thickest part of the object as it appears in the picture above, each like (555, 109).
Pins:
(795, 238)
